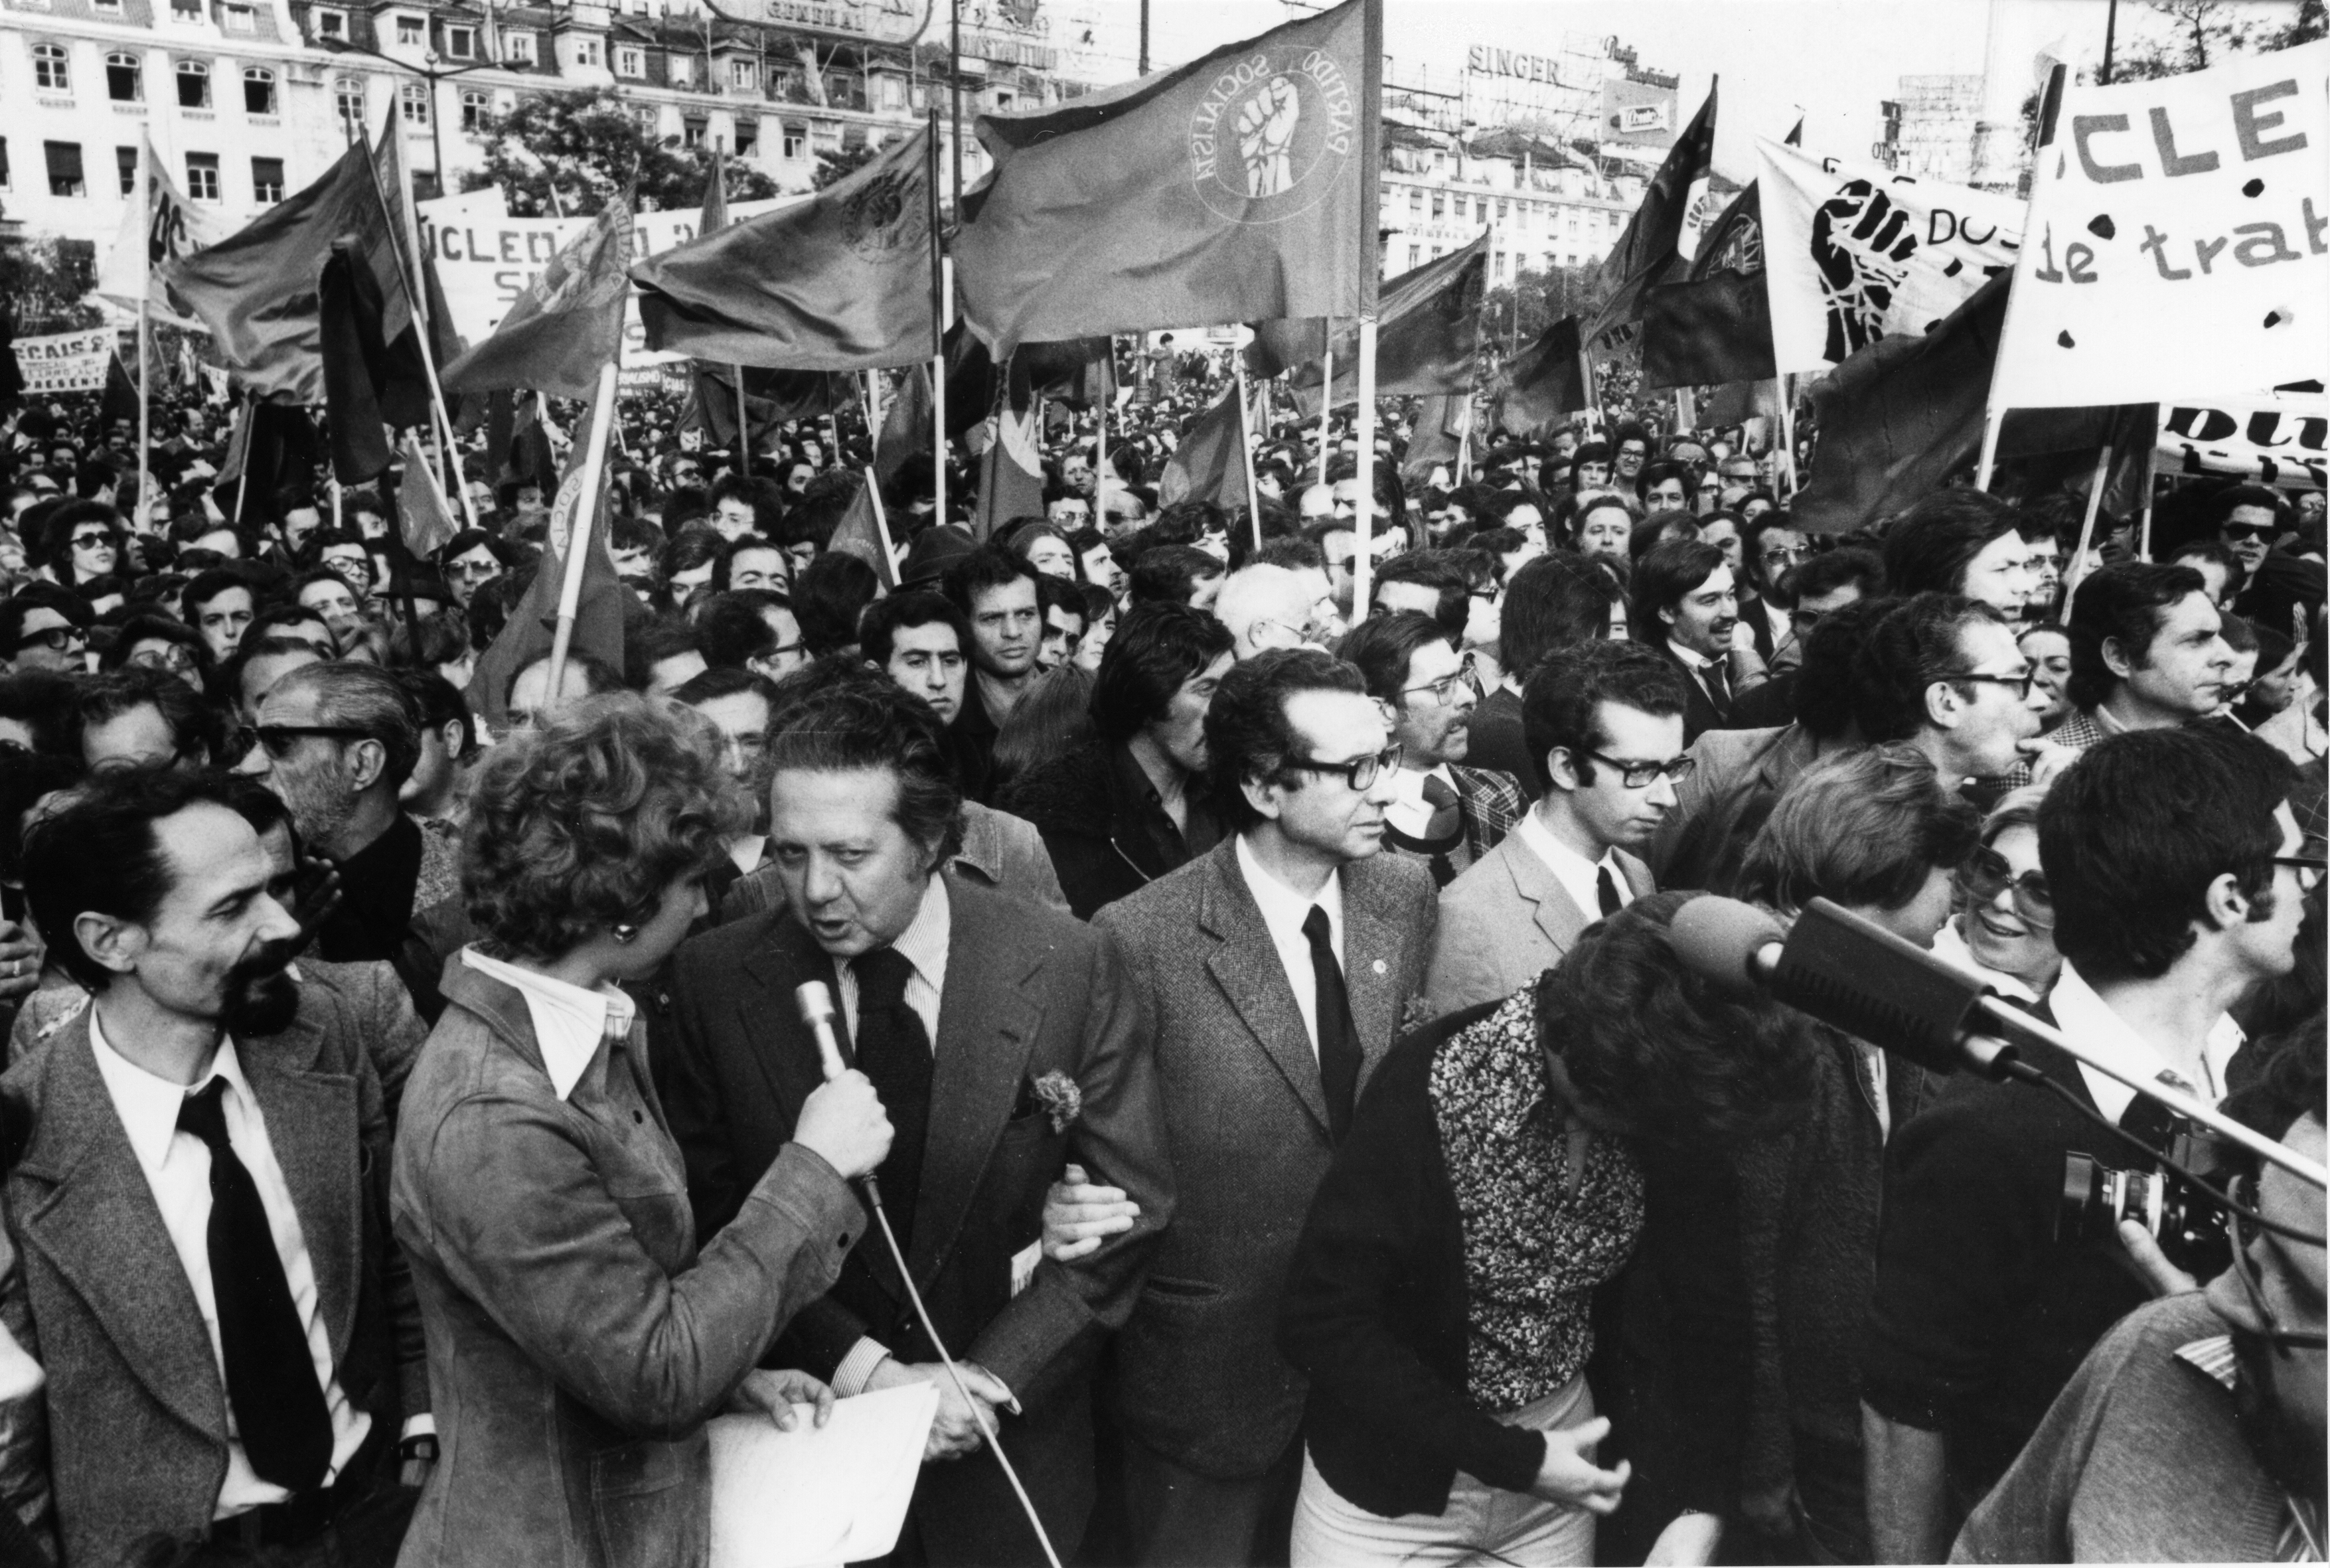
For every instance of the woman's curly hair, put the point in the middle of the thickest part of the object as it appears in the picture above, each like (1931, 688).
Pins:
(1647, 1039)
(583, 823)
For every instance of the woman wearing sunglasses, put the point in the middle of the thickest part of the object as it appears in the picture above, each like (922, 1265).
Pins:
(2004, 927)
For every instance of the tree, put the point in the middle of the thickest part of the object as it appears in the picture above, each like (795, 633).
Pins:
(587, 148)
(2199, 34)
(833, 168)
(47, 282)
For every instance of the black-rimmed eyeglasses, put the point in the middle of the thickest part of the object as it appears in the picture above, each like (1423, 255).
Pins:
(1641, 776)
(1360, 773)
(2309, 868)
(2018, 684)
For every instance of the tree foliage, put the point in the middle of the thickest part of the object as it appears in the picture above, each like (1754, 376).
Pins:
(45, 283)
(833, 168)
(2195, 34)
(587, 146)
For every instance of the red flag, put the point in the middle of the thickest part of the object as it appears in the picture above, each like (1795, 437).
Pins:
(568, 325)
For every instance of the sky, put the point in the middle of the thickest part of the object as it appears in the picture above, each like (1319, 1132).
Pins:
(1830, 59)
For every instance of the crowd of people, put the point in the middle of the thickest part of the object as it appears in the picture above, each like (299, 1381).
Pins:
(1263, 1031)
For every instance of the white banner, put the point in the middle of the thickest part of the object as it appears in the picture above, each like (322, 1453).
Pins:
(2179, 240)
(485, 261)
(65, 361)
(2283, 443)
(166, 227)
(1854, 252)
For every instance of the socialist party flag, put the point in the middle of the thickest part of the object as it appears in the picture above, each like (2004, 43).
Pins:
(841, 282)
(1208, 463)
(1427, 337)
(568, 325)
(1649, 252)
(160, 229)
(1239, 187)
(526, 636)
(1544, 381)
(422, 515)
(860, 533)
(1854, 252)
(1440, 424)
(2178, 244)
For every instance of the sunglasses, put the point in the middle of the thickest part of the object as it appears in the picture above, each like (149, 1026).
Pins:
(279, 739)
(1987, 875)
(2248, 531)
(1360, 773)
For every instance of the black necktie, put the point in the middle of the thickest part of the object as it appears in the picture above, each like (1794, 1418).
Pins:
(270, 1376)
(893, 1052)
(1605, 887)
(1339, 1042)
(1719, 686)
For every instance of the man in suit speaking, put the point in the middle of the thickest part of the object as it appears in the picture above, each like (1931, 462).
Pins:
(1004, 1040)
(1604, 723)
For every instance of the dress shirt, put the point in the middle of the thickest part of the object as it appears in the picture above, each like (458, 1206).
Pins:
(1408, 811)
(749, 851)
(1579, 877)
(568, 1022)
(1950, 946)
(922, 944)
(1283, 910)
(2091, 1023)
(178, 1167)
(1777, 619)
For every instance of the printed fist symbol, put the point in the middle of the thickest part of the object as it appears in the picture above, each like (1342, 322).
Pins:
(1265, 129)
(1861, 241)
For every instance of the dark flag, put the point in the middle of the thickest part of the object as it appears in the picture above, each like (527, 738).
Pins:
(1899, 415)
(1707, 331)
(1439, 440)
(771, 398)
(119, 399)
(1012, 475)
(1646, 253)
(273, 443)
(970, 399)
(422, 518)
(568, 324)
(1080, 373)
(360, 366)
(1546, 381)
(860, 533)
(841, 282)
(1234, 188)
(526, 636)
(1208, 464)
(1427, 336)
(906, 424)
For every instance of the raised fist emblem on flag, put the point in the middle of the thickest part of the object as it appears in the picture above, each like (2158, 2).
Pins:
(1265, 133)
(1861, 244)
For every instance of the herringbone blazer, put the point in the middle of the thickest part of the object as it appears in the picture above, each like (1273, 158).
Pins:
(1505, 921)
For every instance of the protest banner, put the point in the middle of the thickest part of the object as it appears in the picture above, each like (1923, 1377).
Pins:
(2283, 443)
(1854, 252)
(65, 361)
(2178, 245)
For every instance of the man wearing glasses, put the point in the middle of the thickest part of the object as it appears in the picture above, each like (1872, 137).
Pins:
(46, 627)
(1278, 968)
(1603, 722)
(2250, 520)
(1946, 675)
(2178, 877)
(1443, 813)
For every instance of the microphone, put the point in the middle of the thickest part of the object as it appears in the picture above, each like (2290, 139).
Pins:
(815, 1000)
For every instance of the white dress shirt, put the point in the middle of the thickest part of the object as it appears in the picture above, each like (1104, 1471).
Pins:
(1697, 663)
(2091, 1023)
(923, 944)
(178, 1167)
(568, 1022)
(1579, 877)
(1407, 809)
(1283, 910)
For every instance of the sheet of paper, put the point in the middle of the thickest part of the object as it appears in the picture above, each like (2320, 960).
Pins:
(815, 1495)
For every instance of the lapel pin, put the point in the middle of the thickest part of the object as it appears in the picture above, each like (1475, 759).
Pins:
(1381, 967)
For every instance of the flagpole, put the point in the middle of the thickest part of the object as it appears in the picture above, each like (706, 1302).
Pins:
(1327, 397)
(882, 527)
(578, 538)
(743, 427)
(1994, 412)
(2151, 483)
(1245, 450)
(412, 297)
(1370, 153)
(145, 415)
(939, 294)
(249, 436)
(1788, 436)
(2088, 524)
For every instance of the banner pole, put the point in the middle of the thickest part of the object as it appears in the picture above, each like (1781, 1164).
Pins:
(422, 333)
(1994, 412)
(743, 427)
(144, 416)
(2151, 484)
(1326, 397)
(1245, 450)
(882, 527)
(249, 439)
(578, 538)
(940, 290)
(2088, 524)
(1788, 436)
(1370, 154)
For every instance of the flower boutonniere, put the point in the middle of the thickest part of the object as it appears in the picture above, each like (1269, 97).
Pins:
(1061, 1097)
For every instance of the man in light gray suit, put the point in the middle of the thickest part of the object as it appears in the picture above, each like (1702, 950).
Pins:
(1604, 723)
(1277, 969)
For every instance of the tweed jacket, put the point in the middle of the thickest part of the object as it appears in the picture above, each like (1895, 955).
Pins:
(1505, 921)
(578, 1338)
(137, 1405)
(1200, 1376)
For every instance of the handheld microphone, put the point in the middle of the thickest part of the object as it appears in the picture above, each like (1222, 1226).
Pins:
(815, 1000)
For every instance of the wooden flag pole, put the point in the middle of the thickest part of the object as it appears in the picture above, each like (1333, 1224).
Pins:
(2088, 524)
(1326, 397)
(2151, 483)
(1789, 437)
(1363, 514)
(942, 291)
(443, 421)
(249, 439)
(1994, 412)
(1369, 240)
(743, 428)
(145, 417)
(1245, 450)
(1100, 453)
(578, 538)
(882, 527)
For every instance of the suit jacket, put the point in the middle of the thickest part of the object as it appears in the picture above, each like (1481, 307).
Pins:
(998, 851)
(1200, 1378)
(1699, 713)
(1691, 841)
(1029, 992)
(578, 1339)
(136, 1404)
(1506, 921)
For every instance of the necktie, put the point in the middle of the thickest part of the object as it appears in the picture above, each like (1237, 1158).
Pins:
(893, 1052)
(271, 1377)
(1719, 686)
(1339, 1042)
(1606, 887)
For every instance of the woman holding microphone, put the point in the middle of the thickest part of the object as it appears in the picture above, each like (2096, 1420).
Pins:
(578, 1340)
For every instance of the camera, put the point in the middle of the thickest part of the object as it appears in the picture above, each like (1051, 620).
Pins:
(2193, 1230)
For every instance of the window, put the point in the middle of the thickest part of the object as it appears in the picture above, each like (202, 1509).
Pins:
(1415, 259)
(743, 75)
(477, 109)
(1500, 266)
(185, 10)
(125, 164)
(631, 61)
(202, 177)
(193, 84)
(1439, 204)
(589, 52)
(107, 7)
(411, 31)
(1501, 204)
(650, 120)
(795, 145)
(1569, 223)
(267, 181)
(691, 130)
(461, 43)
(892, 92)
(748, 135)
(6, 182)
(124, 78)
(1416, 204)
(517, 48)
(53, 73)
(682, 70)
(331, 24)
(237, 18)
(1570, 261)
(64, 168)
(348, 94)
(412, 102)
(257, 90)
